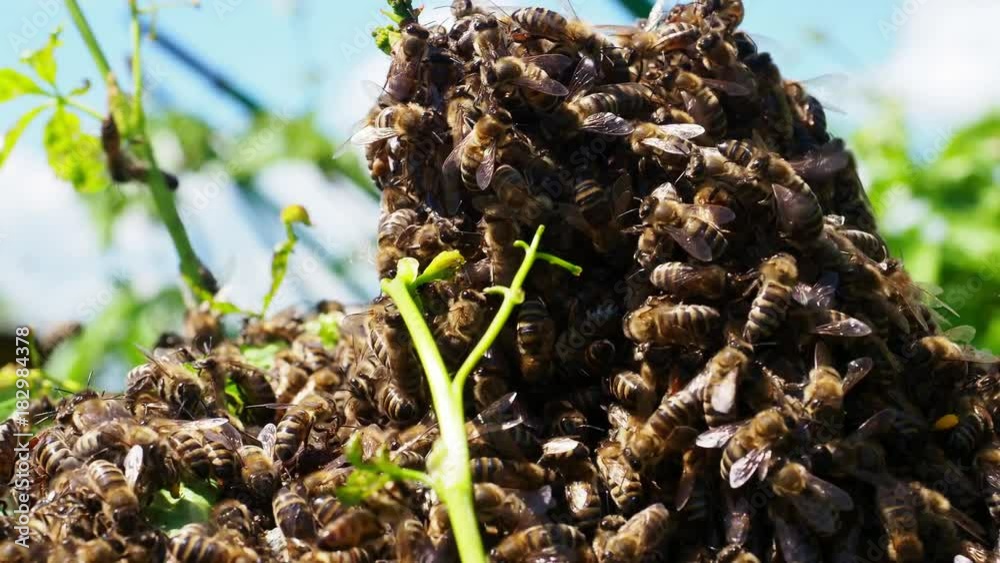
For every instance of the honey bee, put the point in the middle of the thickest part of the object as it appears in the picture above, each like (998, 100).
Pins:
(293, 428)
(748, 445)
(670, 428)
(359, 554)
(257, 468)
(51, 453)
(694, 227)
(543, 539)
(513, 192)
(116, 490)
(536, 337)
(403, 121)
(487, 37)
(987, 465)
(253, 383)
(293, 515)
(700, 102)
(683, 281)
(395, 403)
(389, 342)
(551, 25)
(465, 320)
(643, 533)
(193, 545)
(724, 372)
(778, 276)
(526, 73)
(511, 474)
(353, 527)
(596, 210)
(818, 502)
(476, 155)
(88, 410)
(735, 554)
(407, 56)
(643, 43)
(231, 514)
(633, 392)
(799, 212)
(796, 542)
(667, 145)
(413, 545)
(623, 482)
(122, 167)
(897, 506)
(489, 379)
(660, 322)
(969, 427)
(730, 12)
(824, 394)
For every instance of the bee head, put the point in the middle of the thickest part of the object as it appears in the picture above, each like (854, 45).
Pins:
(485, 23)
(708, 42)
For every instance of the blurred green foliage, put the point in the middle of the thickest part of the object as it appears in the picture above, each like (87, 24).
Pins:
(939, 210)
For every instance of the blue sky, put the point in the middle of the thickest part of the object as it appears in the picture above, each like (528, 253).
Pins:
(296, 55)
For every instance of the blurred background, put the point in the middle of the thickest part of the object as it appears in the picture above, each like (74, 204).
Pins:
(250, 99)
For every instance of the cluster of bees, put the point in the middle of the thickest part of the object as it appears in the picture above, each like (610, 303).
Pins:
(741, 374)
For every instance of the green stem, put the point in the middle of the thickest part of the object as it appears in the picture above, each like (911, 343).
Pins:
(453, 478)
(82, 107)
(191, 267)
(512, 297)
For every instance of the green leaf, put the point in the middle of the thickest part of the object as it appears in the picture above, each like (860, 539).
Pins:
(263, 356)
(194, 505)
(327, 327)
(73, 155)
(443, 266)
(81, 89)
(43, 60)
(360, 485)
(279, 261)
(14, 133)
(14, 84)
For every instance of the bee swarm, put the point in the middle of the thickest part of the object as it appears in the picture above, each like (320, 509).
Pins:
(741, 373)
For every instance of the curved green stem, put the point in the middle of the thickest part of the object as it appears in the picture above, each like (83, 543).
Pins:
(512, 297)
(452, 479)
(191, 267)
(82, 107)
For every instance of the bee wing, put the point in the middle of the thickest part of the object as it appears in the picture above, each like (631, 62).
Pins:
(966, 522)
(737, 517)
(683, 130)
(819, 296)
(731, 88)
(267, 438)
(856, 371)
(747, 466)
(794, 541)
(484, 174)
(607, 123)
(552, 63)
(454, 157)
(717, 437)
(584, 77)
(372, 134)
(712, 214)
(664, 145)
(544, 85)
(963, 333)
(816, 513)
(133, 465)
(823, 163)
(931, 294)
(696, 245)
(830, 493)
(724, 394)
(207, 423)
(791, 204)
(828, 86)
(685, 486)
(849, 327)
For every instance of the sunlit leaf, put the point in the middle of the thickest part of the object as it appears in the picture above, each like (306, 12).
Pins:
(279, 261)
(442, 266)
(327, 327)
(43, 59)
(14, 84)
(14, 133)
(194, 505)
(74, 155)
(263, 356)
